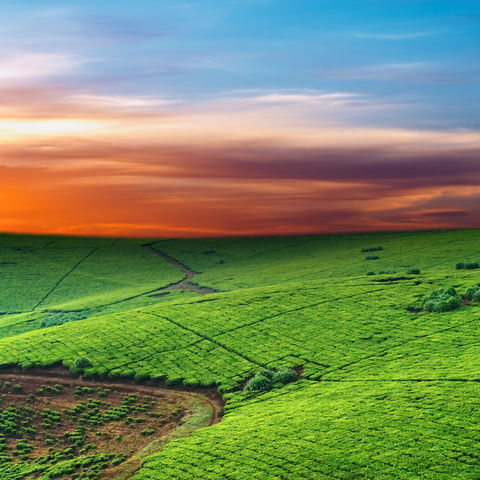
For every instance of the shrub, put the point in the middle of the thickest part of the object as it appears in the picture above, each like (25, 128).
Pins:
(442, 300)
(266, 379)
(372, 249)
(147, 431)
(467, 265)
(259, 382)
(372, 257)
(61, 318)
(120, 459)
(413, 271)
(370, 273)
(473, 293)
(58, 388)
(285, 376)
(80, 364)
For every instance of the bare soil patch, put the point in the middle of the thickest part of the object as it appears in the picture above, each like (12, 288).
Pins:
(47, 412)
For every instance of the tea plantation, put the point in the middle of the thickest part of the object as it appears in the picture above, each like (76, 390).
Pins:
(382, 355)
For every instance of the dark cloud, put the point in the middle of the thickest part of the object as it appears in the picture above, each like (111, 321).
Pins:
(251, 188)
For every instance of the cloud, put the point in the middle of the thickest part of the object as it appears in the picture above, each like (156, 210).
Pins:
(237, 188)
(393, 36)
(420, 71)
(397, 71)
(335, 98)
(22, 67)
(260, 162)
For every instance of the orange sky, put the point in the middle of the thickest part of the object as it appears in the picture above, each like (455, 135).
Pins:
(109, 168)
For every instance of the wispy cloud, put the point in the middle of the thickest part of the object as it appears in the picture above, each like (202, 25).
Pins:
(419, 71)
(128, 173)
(393, 36)
(309, 97)
(27, 66)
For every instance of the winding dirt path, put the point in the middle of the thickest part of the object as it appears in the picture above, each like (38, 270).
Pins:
(40, 376)
(185, 283)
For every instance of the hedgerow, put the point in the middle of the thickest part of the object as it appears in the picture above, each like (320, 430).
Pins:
(56, 319)
(467, 265)
(372, 249)
(413, 271)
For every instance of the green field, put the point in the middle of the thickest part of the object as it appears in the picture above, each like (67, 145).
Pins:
(386, 388)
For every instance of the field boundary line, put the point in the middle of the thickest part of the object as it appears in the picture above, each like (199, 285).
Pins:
(303, 307)
(63, 278)
(418, 337)
(205, 337)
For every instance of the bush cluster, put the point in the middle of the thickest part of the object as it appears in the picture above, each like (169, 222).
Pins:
(372, 249)
(413, 271)
(80, 365)
(269, 378)
(61, 318)
(372, 257)
(472, 293)
(467, 265)
(442, 300)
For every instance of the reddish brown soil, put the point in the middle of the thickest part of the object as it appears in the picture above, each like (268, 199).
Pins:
(106, 437)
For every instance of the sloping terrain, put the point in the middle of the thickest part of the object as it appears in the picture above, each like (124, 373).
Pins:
(386, 389)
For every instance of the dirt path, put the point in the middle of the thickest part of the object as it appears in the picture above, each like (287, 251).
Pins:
(185, 283)
(40, 376)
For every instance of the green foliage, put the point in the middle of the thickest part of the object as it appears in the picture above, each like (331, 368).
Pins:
(268, 378)
(467, 265)
(442, 300)
(413, 271)
(393, 382)
(473, 293)
(80, 364)
(61, 318)
(371, 249)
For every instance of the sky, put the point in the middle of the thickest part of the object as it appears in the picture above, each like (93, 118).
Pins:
(238, 117)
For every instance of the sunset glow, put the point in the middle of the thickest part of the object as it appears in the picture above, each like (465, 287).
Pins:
(188, 119)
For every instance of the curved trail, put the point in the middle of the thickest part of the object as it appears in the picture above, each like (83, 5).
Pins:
(184, 283)
(56, 375)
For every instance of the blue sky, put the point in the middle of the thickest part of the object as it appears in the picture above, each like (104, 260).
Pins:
(423, 55)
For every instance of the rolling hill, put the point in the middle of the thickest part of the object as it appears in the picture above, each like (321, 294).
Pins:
(385, 388)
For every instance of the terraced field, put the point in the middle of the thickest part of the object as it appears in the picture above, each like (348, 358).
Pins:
(386, 388)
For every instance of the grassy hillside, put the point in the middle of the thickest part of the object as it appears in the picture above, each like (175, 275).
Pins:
(387, 388)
